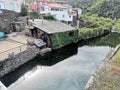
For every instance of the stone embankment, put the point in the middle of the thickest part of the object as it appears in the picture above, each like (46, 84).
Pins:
(16, 61)
(101, 79)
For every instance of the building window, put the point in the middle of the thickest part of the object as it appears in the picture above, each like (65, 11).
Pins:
(61, 9)
(2, 5)
(63, 15)
(42, 9)
(12, 6)
(56, 9)
(53, 9)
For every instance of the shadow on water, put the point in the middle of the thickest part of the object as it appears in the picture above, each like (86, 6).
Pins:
(47, 60)
(112, 40)
(56, 56)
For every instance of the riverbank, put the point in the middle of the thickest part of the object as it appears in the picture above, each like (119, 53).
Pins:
(88, 33)
(78, 60)
(13, 62)
(107, 76)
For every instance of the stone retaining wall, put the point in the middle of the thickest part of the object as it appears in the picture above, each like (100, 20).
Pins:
(93, 77)
(12, 63)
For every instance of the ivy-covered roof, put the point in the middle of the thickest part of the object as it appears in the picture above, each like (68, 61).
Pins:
(51, 26)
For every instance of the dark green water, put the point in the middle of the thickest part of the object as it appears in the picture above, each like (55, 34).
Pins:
(68, 68)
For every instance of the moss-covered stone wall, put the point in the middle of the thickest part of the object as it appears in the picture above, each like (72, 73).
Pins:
(63, 38)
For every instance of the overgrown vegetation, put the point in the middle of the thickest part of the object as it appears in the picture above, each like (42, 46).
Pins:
(24, 9)
(48, 17)
(117, 25)
(117, 58)
(108, 8)
(93, 25)
(83, 4)
(63, 21)
(112, 40)
(34, 15)
(105, 8)
(59, 39)
(108, 75)
(94, 21)
(102, 14)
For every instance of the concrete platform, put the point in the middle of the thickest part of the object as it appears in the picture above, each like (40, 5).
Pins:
(15, 42)
(22, 39)
(9, 46)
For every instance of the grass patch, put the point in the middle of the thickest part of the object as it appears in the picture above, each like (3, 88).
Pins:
(117, 58)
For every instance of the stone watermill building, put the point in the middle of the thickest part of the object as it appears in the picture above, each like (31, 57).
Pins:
(54, 33)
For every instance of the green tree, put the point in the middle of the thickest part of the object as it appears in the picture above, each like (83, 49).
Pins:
(24, 10)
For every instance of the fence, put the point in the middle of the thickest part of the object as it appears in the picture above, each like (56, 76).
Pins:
(12, 52)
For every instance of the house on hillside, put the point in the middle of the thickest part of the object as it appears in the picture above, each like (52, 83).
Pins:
(54, 33)
(59, 11)
(76, 12)
(13, 5)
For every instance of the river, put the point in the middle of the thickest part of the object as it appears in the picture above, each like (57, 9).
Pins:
(68, 68)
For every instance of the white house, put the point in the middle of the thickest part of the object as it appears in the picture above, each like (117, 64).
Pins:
(14, 5)
(59, 11)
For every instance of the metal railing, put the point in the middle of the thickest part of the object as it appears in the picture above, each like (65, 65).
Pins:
(12, 52)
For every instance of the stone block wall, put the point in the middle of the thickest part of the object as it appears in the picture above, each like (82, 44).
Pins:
(12, 63)
(6, 17)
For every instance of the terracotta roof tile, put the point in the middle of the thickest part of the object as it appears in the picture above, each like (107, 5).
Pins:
(56, 5)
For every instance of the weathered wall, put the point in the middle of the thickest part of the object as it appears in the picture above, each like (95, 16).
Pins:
(6, 17)
(94, 82)
(12, 63)
(64, 38)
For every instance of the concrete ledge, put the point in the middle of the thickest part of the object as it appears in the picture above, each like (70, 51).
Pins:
(12, 63)
(93, 77)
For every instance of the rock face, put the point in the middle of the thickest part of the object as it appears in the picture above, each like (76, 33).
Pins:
(6, 17)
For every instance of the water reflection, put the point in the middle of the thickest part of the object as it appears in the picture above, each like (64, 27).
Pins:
(47, 60)
(58, 55)
(76, 64)
(70, 74)
(112, 40)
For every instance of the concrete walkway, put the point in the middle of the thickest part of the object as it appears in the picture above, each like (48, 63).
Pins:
(14, 43)
(22, 39)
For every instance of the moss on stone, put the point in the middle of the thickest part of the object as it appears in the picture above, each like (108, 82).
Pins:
(63, 38)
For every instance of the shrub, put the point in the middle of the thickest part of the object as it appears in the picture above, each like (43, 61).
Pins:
(49, 17)
(34, 15)
(24, 10)
(117, 25)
